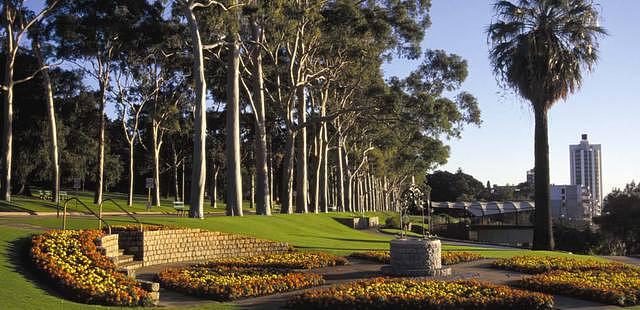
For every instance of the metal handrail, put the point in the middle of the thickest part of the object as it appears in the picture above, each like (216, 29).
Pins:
(64, 214)
(121, 208)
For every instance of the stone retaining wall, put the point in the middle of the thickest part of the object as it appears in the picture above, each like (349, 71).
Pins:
(360, 222)
(168, 246)
(108, 244)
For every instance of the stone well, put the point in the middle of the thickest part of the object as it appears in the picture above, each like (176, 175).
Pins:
(416, 257)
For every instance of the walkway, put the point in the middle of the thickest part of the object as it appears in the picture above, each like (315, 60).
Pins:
(357, 270)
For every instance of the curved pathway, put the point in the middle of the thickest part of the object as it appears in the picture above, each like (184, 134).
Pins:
(357, 270)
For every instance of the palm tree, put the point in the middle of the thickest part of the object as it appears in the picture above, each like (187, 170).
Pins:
(540, 49)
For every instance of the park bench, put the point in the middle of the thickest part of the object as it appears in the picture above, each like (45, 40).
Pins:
(181, 210)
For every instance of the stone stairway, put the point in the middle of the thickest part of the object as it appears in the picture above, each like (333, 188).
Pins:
(126, 263)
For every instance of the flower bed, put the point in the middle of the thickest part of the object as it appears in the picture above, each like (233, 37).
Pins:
(291, 260)
(71, 260)
(448, 257)
(602, 281)
(541, 264)
(385, 293)
(613, 287)
(225, 283)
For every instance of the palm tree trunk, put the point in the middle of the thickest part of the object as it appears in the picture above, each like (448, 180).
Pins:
(199, 167)
(542, 233)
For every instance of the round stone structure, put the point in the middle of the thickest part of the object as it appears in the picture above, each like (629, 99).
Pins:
(416, 257)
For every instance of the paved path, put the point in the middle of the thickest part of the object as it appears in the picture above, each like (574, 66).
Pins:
(358, 270)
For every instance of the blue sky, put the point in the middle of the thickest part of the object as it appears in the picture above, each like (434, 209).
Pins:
(606, 108)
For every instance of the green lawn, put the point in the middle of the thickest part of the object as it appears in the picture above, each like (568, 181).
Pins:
(35, 204)
(313, 232)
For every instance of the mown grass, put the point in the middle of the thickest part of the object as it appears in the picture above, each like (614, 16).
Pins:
(308, 232)
(34, 204)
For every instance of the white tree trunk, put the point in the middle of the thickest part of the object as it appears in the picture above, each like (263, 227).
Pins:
(302, 182)
(97, 199)
(340, 176)
(156, 165)
(55, 169)
(199, 167)
(263, 190)
(287, 175)
(234, 174)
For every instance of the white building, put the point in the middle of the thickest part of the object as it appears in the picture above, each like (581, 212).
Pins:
(572, 203)
(586, 168)
(531, 176)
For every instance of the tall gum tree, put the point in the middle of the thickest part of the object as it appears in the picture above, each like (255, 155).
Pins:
(93, 35)
(16, 26)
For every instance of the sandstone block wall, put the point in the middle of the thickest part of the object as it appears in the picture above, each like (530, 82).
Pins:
(168, 246)
(108, 244)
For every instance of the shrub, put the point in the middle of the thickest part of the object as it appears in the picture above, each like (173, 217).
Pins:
(448, 257)
(72, 262)
(392, 222)
(385, 293)
(291, 260)
(541, 264)
(613, 287)
(225, 283)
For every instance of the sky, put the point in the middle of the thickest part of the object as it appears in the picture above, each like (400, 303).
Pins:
(606, 107)
(501, 149)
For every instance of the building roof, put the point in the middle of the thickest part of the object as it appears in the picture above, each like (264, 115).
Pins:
(477, 208)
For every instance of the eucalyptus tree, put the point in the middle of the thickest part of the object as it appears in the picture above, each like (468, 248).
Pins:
(38, 44)
(164, 86)
(257, 21)
(540, 49)
(130, 104)
(94, 35)
(233, 161)
(17, 20)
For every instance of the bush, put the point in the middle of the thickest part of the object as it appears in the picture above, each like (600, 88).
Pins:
(448, 257)
(392, 222)
(385, 293)
(291, 260)
(72, 262)
(224, 283)
(613, 287)
(541, 264)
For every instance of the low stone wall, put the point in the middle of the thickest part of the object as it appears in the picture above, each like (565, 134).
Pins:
(108, 245)
(168, 246)
(416, 257)
(360, 222)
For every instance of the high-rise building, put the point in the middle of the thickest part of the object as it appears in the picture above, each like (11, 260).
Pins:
(586, 168)
(531, 176)
(572, 203)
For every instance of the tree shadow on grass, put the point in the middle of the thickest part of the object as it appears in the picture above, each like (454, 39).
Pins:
(9, 207)
(321, 248)
(20, 262)
(357, 240)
